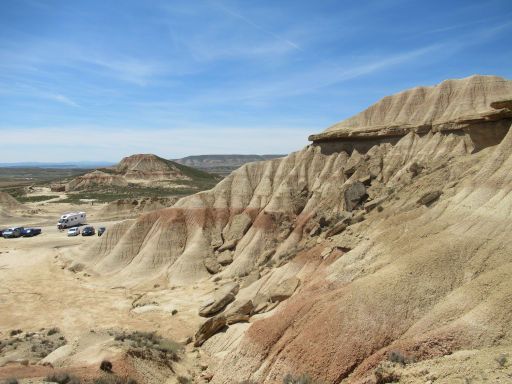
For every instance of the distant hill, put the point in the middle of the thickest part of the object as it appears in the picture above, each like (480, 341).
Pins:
(222, 164)
(68, 165)
(143, 170)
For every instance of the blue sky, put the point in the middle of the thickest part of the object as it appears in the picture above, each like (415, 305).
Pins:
(99, 79)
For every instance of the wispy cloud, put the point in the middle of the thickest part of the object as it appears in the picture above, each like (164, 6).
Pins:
(29, 91)
(58, 98)
(256, 26)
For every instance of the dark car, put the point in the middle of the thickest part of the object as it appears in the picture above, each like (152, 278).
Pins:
(2, 231)
(88, 231)
(101, 230)
(29, 232)
(12, 232)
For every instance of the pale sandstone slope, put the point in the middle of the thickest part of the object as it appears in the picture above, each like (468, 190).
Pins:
(9, 205)
(427, 273)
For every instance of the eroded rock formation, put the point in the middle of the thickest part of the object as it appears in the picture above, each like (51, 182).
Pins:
(389, 232)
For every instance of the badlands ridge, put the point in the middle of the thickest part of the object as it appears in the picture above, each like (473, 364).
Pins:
(390, 232)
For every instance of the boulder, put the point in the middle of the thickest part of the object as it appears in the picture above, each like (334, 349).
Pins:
(429, 198)
(284, 289)
(353, 163)
(219, 301)
(340, 225)
(261, 303)
(225, 258)
(415, 168)
(228, 245)
(209, 328)
(211, 265)
(239, 312)
(353, 195)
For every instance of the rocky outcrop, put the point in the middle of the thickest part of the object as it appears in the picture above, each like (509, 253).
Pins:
(209, 328)
(450, 106)
(221, 298)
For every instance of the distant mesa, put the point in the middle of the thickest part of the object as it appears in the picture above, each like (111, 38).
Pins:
(145, 170)
(223, 164)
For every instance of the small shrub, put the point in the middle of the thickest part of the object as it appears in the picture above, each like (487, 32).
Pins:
(62, 378)
(53, 331)
(397, 357)
(384, 376)
(501, 360)
(106, 366)
(174, 311)
(15, 332)
(380, 208)
(184, 380)
(166, 345)
(302, 379)
(11, 380)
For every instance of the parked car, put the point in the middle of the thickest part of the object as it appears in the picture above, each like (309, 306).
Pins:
(101, 230)
(75, 231)
(88, 231)
(12, 232)
(29, 232)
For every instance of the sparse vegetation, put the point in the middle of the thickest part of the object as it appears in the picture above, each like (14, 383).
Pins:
(36, 345)
(150, 341)
(53, 331)
(114, 379)
(111, 194)
(62, 378)
(398, 357)
(184, 380)
(34, 199)
(301, 379)
(11, 380)
(384, 375)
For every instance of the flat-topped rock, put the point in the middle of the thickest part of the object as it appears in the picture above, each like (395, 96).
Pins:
(450, 105)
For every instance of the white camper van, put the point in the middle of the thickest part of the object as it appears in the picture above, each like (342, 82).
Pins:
(72, 219)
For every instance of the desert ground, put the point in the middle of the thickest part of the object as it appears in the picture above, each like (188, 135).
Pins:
(41, 288)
